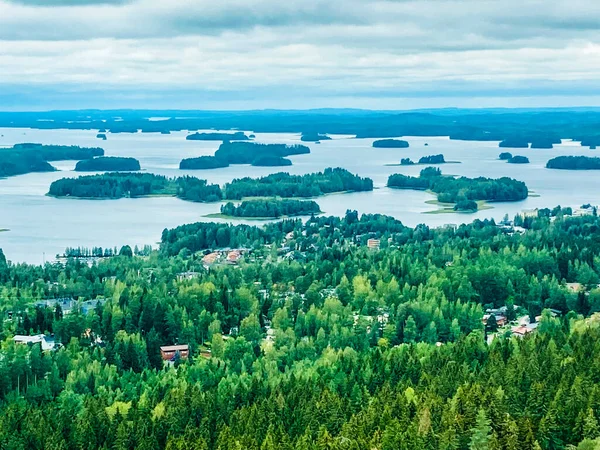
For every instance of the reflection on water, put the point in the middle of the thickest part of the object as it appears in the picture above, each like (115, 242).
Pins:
(43, 225)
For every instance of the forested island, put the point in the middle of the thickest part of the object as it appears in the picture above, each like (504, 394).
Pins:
(314, 137)
(248, 152)
(285, 185)
(514, 143)
(544, 143)
(202, 162)
(517, 159)
(108, 163)
(132, 185)
(424, 160)
(237, 136)
(462, 191)
(29, 157)
(574, 163)
(271, 161)
(505, 156)
(335, 346)
(101, 136)
(390, 143)
(270, 208)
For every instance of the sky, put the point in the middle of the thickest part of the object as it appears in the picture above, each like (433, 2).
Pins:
(298, 54)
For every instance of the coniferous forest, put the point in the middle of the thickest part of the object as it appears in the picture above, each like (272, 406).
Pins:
(330, 345)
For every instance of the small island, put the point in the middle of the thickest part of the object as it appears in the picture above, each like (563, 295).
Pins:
(505, 156)
(543, 143)
(425, 160)
(202, 162)
(29, 157)
(514, 143)
(574, 163)
(248, 152)
(284, 185)
(271, 161)
(270, 209)
(108, 163)
(237, 136)
(314, 137)
(135, 185)
(390, 143)
(101, 136)
(517, 159)
(460, 193)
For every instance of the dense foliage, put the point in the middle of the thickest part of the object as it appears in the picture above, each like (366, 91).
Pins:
(202, 162)
(271, 208)
(285, 185)
(514, 143)
(314, 137)
(247, 152)
(119, 185)
(271, 161)
(390, 143)
(335, 348)
(432, 159)
(454, 190)
(108, 163)
(517, 159)
(574, 163)
(237, 136)
(505, 156)
(29, 157)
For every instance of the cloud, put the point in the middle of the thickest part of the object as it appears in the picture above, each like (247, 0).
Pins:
(317, 48)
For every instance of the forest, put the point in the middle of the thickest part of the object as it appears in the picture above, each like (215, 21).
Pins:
(285, 185)
(514, 143)
(574, 163)
(236, 136)
(314, 137)
(453, 190)
(247, 152)
(339, 347)
(517, 159)
(29, 157)
(108, 163)
(271, 208)
(131, 185)
(390, 143)
(202, 162)
(271, 161)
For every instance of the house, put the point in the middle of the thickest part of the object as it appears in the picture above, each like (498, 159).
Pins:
(531, 213)
(210, 259)
(186, 276)
(234, 256)
(66, 304)
(373, 244)
(575, 287)
(170, 352)
(500, 319)
(47, 343)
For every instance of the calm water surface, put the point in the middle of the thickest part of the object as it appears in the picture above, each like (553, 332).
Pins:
(41, 227)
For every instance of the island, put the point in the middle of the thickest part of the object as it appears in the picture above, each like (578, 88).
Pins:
(314, 137)
(574, 163)
(455, 191)
(101, 136)
(424, 160)
(505, 156)
(543, 143)
(284, 185)
(270, 208)
(390, 143)
(271, 161)
(135, 185)
(247, 152)
(108, 163)
(517, 159)
(514, 143)
(237, 136)
(28, 157)
(202, 162)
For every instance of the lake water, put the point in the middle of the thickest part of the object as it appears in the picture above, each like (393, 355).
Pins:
(41, 227)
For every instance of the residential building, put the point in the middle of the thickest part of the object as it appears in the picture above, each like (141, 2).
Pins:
(46, 342)
(170, 352)
(374, 244)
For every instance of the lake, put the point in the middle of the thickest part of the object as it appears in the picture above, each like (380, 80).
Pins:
(41, 227)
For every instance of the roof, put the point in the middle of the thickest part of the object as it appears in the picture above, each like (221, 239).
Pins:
(174, 348)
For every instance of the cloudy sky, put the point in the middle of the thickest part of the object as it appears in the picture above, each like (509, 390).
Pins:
(230, 54)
